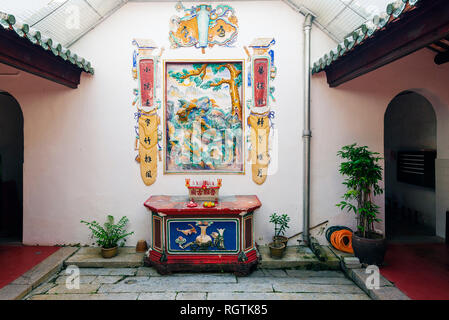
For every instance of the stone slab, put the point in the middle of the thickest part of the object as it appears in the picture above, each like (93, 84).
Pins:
(340, 254)
(157, 296)
(61, 289)
(284, 296)
(196, 296)
(296, 257)
(388, 293)
(43, 288)
(23, 285)
(386, 290)
(14, 291)
(90, 257)
(147, 271)
(82, 279)
(112, 296)
(276, 273)
(107, 279)
(315, 288)
(298, 281)
(309, 274)
(178, 285)
(293, 257)
(108, 271)
(202, 277)
(360, 276)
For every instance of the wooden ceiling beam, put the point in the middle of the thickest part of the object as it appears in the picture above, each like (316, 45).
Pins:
(416, 30)
(433, 49)
(24, 55)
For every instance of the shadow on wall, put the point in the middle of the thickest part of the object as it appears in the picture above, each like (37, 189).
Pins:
(11, 168)
(410, 136)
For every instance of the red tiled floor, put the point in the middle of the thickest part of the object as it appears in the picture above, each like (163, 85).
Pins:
(421, 271)
(16, 260)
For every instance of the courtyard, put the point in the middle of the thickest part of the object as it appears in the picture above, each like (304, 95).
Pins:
(145, 283)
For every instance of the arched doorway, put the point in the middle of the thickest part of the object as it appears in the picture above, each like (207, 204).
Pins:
(11, 169)
(410, 140)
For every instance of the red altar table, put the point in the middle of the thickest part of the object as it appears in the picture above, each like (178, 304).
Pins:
(220, 238)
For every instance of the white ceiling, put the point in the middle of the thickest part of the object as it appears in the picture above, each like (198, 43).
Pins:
(58, 19)
(338, 18)
(65, 21)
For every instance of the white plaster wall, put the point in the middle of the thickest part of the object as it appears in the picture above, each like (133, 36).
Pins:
(79, 144)
(354, 112)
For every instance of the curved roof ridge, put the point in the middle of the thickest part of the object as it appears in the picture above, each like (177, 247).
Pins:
(23, 30)
(367, 30)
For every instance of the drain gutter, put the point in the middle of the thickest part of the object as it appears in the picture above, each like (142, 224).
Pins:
(307, 133)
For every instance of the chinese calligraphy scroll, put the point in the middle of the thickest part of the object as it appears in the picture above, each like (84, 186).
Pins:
(147, 134)
(262, 71)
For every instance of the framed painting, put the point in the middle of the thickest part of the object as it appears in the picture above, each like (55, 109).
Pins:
(204, 130)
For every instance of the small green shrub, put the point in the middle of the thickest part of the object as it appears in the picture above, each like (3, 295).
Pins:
(109, 235)
(280, 223)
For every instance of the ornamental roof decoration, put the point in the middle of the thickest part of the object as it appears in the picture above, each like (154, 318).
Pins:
(8, 22)
(394, 12)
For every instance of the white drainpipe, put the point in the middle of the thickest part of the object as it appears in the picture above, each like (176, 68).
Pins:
(307, 133)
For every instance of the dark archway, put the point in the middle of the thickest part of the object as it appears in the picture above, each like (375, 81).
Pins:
(11, 169)
(410, 140)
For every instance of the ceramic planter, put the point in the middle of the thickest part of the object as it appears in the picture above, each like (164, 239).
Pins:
(276, 249)
(369, 251)
(281, 239)
(141, 246)
(109, 253)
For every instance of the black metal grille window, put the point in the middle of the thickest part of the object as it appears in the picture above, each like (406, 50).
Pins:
(417, 167)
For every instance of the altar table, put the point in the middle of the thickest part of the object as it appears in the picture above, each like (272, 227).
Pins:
(220, 238)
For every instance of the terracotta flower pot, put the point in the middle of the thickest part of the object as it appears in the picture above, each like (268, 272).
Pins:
(109, 253)
(369, 251)
(276, 249)
(141, 246)
(282, 239)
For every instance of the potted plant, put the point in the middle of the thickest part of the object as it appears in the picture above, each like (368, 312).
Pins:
(279, 244)
(109, 235)
(363, 174)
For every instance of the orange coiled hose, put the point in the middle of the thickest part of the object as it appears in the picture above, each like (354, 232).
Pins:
(342, 240)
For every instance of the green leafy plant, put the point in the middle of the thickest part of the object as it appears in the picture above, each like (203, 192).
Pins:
(363, 174)
(109, 235)
(280, 223)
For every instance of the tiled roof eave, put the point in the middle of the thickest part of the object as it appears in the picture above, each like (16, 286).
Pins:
(365, 32)
(8, 22)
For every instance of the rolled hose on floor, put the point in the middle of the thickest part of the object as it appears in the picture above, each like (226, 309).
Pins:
(340, 238)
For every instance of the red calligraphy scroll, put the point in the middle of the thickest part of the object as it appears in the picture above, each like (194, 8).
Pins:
(146, 82)
(260, 82)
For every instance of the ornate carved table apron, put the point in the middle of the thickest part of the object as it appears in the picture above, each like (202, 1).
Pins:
(203, 239)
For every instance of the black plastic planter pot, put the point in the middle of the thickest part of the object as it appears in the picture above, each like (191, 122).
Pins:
(369, 251)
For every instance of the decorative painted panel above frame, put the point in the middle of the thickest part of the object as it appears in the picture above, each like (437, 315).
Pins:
(203, 26)
(204, 117)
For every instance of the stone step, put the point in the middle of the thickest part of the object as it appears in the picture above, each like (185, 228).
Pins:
(300, 257)
(90, 257)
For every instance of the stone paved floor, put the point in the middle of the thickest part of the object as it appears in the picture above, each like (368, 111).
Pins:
(146, 284)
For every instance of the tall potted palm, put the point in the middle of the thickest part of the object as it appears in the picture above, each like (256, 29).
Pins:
(362, 177)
